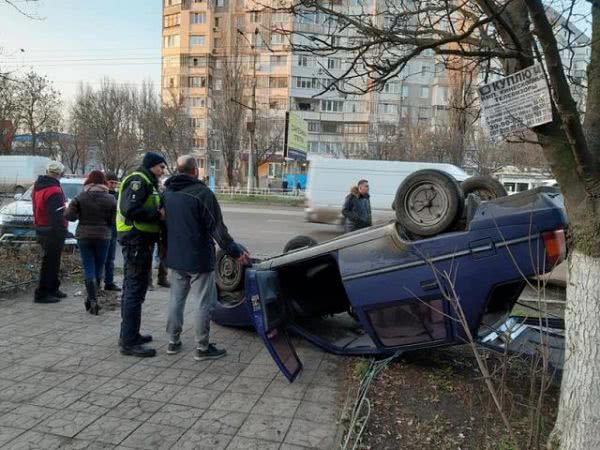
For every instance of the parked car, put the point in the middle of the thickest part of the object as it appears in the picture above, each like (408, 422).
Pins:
(377, 291)
(329, 181)
(18, 173)
(16, 218)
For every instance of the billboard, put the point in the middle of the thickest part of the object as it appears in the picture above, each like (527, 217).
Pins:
(296, 137)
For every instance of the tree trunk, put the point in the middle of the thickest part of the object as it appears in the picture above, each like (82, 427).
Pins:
(577, 426)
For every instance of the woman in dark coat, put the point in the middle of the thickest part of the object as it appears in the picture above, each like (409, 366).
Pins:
(95, 208)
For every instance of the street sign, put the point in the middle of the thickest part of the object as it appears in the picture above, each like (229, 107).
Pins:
(515, 103)
(296, 137)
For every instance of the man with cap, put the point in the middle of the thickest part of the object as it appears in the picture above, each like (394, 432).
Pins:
(109, 268)
(139, 214)
(48, 202)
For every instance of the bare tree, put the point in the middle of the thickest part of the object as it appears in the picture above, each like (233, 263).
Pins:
(270, 134)
(228, 118)
(39, 107)
(175, 129)
(500, 37)
(109, 117)
(9, 111)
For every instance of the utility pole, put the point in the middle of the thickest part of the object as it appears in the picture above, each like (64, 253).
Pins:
(253, 109)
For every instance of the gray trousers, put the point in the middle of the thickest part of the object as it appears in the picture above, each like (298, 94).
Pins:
(204, 296)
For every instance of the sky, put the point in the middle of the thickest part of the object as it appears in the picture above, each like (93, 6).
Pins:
(83, 40)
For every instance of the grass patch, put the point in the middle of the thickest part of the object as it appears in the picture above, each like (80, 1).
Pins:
(295, 201)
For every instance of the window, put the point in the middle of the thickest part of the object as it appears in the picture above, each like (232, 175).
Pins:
(277, 39)
(218, 84)
(303, 60)
(172, 20)
(306, 17)
(306, 83)
(404, 112)
(171, 41)
(388, 108)
(198, 18)
(199, 143)
(217, 42)
(404, 91)
(334, 63)
(219, 3)
(197, 122)
(275, 170)
(278, 82)
(254, 16)
(198, 1)
(522, 187)
(197, 40)
(278, 60)
(314, 126)
(197, 102)
(356, 106)
(198, 61)
(257, 40)
(172, 2)
(332, 105)
(197, 82)
(279, 18)
(424, 112)
(169, 82)
(356, 128)
(171, 61)
(331, 127)
(217, 20)
(424, 92)
(392, 87)
(425, 69)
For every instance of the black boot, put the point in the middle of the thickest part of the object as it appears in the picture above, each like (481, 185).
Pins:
(91, 304)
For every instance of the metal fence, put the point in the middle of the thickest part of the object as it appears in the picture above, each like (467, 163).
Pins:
(272, 192)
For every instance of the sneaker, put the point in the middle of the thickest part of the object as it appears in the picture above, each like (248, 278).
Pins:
(174, 348)
(141, 340)
(47, 299)
(112, 287)
(59, 294)
(211, 353)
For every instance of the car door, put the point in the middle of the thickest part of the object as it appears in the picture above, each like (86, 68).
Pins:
(269, 316)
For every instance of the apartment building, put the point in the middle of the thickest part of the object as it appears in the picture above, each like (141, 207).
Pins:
(198, 36)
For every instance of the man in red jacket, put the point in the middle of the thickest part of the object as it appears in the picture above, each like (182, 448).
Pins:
(51, 229)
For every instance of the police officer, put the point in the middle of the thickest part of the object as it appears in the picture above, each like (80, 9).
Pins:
(138, 226)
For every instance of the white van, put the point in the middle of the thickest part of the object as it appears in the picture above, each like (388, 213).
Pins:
(329, 181)
(17, 173)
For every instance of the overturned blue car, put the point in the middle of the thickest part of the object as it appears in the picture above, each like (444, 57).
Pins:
(387, 288)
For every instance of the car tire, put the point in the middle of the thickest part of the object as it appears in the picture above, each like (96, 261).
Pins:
(299, 242)
(484, 187)
(428, 202)
(229, 274)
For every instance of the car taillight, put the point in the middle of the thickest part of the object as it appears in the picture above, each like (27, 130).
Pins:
(556, 247)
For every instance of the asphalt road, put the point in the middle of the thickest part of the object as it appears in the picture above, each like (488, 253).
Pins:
(264, 230)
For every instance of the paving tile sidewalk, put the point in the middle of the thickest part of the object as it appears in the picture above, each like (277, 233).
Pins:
(64, 385)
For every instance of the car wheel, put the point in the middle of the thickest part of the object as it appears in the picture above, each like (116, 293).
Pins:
(486, 188)
(299, 242)
(428, 202)
(229, 273)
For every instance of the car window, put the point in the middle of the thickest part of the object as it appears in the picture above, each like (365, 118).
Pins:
(71, 189)
(27, 195)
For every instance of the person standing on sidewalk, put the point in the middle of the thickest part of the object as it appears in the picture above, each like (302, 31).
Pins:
(95, 209)
(48, 203)
(193, 222)
(138, 226)
(109, 269)
(357, 208)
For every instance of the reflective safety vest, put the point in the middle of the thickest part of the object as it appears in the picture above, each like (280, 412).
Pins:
(153, 201)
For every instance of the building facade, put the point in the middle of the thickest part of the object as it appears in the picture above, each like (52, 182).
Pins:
(198, 41)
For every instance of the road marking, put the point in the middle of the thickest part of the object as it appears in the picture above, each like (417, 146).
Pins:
(267, 212)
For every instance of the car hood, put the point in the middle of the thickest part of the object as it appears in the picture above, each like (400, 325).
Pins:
(18, 208)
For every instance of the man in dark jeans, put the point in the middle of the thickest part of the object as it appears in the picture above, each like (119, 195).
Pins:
(357, 208)
(138, 225)
(48, 202)
(109, 268)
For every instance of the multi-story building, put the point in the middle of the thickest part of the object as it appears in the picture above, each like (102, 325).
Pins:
(198, 36)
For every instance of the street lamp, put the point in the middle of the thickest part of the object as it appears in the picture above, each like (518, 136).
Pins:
(253, 109)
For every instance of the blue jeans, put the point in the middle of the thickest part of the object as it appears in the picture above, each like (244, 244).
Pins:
(109, 268)
(137, 263)
(93, 257)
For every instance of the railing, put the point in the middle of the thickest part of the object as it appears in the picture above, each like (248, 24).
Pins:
(274, 192)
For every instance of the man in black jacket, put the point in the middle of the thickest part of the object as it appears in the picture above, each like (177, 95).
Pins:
(48, 203)
(357, 208)
(194, 221)
(138, 227)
